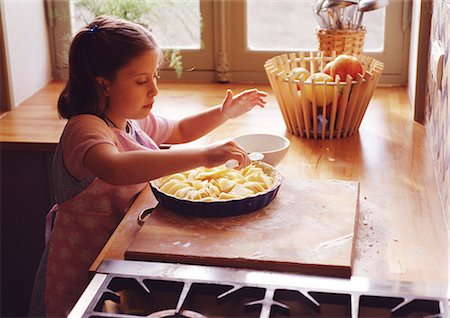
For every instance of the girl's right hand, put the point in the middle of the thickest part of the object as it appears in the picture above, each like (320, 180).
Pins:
(220, 152)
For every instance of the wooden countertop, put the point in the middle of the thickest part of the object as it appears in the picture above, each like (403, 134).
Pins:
(34, 125)
(402, 233)
(401, 225)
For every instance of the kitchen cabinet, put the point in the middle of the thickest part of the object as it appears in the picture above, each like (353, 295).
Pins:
(26, 197)
(28, 137)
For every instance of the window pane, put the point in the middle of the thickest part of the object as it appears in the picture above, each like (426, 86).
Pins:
(289, 26)
(375, 24)
(175, 23)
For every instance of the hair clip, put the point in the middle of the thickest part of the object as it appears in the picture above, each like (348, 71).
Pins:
(93, 29)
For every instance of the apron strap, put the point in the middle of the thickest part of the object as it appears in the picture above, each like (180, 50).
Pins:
(49, 221)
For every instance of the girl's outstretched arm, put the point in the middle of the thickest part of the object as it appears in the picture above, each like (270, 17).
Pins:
(132, 167)
(198, 125)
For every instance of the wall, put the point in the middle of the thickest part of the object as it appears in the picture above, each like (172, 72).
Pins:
(27, 47)
(438, 105)
(418, 56)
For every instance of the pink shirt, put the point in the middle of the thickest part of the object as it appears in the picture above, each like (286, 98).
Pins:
(85, 131)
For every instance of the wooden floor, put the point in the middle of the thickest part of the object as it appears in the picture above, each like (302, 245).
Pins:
(401, 231)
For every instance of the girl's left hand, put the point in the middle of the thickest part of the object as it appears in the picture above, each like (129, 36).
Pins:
(235, 106)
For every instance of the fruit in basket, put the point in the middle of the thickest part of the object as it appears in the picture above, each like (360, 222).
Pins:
(322, 91)
(328, 108)
(298, 72)
(327, 68)
(346, 64)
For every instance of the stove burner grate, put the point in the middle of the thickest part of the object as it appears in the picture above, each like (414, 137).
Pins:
(148, 289)
(172, 313)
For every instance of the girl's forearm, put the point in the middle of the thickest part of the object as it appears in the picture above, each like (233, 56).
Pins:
(142, 166)
(122, 168)
(198, 125)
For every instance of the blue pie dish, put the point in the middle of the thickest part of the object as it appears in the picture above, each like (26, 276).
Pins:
(219, 208)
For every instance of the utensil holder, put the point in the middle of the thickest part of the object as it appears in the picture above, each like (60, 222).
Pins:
(350, 99)
(341, 41)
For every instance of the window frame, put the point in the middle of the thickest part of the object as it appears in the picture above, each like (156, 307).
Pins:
(6, 96)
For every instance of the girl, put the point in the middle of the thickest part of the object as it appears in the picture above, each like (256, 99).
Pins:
(109, 147)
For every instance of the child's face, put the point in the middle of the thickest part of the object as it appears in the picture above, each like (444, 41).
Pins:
(132, 93)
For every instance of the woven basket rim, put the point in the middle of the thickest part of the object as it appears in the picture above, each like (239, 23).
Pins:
(320, 30)
(328, 83)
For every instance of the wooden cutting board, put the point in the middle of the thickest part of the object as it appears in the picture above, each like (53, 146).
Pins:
(308, 228)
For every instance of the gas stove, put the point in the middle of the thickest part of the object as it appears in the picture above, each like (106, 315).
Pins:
(153, 289)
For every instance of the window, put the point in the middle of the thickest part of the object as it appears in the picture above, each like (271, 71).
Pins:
(290, 26)
(229, 40)
(176, 24)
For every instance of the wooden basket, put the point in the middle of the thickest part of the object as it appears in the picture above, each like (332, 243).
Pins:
(340, 118)
(341, 41)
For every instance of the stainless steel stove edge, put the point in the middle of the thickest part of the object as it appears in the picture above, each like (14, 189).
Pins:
(259, 278)
(88, 295)
(356, 287)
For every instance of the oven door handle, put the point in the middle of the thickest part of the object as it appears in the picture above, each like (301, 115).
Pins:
(144, 213)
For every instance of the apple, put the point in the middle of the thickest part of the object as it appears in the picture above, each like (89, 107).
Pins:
(298, 72)
(346, 64)
(321, 90)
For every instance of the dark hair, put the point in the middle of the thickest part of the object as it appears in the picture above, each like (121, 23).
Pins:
(102, 48)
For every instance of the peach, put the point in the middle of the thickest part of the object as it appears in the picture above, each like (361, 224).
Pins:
(346, 64)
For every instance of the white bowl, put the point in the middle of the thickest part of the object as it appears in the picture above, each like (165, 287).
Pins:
(273, 147)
